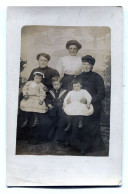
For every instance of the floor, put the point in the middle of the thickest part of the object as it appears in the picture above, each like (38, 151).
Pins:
(51, 148)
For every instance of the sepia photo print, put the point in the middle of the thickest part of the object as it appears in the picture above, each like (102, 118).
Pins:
(64, 91)
(64, 96)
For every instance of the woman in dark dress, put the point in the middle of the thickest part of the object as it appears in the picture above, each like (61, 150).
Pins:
(48, 72)
(89, 137)
(46, 128)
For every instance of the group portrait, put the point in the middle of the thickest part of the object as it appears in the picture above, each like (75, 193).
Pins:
(64, 91)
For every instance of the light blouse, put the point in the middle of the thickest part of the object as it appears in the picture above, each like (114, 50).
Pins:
(71, 65)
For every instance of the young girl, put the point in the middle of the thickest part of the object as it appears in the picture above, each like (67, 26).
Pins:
(33, 101)
(73, 103)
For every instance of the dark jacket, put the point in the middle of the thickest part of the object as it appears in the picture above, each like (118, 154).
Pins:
(56, 99)
(48, 72)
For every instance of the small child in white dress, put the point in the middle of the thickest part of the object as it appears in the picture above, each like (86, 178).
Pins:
(34, 93)
(73, 102)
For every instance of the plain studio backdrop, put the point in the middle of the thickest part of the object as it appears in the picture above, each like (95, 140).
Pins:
(96, 41)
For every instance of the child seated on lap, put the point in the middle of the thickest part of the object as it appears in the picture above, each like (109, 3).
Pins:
(73, 103)
(33, 101)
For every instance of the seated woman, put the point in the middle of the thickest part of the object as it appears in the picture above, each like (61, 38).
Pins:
(89, 137)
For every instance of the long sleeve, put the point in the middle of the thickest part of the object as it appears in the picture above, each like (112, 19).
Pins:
(25, 88)
(42, 93)
(67, 98)
(100, 89)
(55, 73)
(48, 99)
(87, 96)
(31, 75)
(60, 68)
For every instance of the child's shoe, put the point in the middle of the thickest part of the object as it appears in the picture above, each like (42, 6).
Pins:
(24, 123)
(80, 124)
(36, 122)
(67, 128)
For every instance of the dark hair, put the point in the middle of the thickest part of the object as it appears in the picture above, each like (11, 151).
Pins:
(89, 59)
(73, 42)
(38, 74)
(76, 81)
(44, 55)
(56, 79)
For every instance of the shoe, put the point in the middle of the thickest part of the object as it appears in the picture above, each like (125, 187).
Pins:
(33, 142)
(82, 152)
(68, 127)
(35, 123)
(24, 123)
(80, 125)
(66, 143)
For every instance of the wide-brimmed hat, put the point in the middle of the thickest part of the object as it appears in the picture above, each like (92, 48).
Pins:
(89, 59)
(73, 42)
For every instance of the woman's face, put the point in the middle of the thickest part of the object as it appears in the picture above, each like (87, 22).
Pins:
(87, 66)
(73, 50)
(42, 62)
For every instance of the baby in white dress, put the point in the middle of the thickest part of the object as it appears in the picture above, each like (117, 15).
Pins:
(73, 102)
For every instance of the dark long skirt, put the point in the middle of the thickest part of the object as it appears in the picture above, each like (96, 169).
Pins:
(43, 132)
(46, 128)
(67, 81)
(88, 138)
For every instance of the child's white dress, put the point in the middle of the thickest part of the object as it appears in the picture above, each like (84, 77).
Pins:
(36, 94)
(75, 107)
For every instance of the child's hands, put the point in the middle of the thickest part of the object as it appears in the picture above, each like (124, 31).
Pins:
(46, 108)
(68, 101)
(83, 101)
(63, 106)
(26, 97)
(40, 102)
(50, 106)
(88, 106)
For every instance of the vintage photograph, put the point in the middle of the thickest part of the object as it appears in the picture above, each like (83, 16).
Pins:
(64, 91)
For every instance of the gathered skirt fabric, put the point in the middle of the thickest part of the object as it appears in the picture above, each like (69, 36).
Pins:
(32, 105)
(77, 108)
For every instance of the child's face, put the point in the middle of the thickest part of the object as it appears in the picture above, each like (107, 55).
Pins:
(37, 79)
(56, 85)
(77, 87)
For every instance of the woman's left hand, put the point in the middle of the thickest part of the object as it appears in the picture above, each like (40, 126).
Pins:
(83, 101)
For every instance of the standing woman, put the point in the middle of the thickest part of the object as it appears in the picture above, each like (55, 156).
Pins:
(70, 66)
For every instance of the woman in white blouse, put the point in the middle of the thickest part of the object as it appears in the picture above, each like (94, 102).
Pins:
(70, 66)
